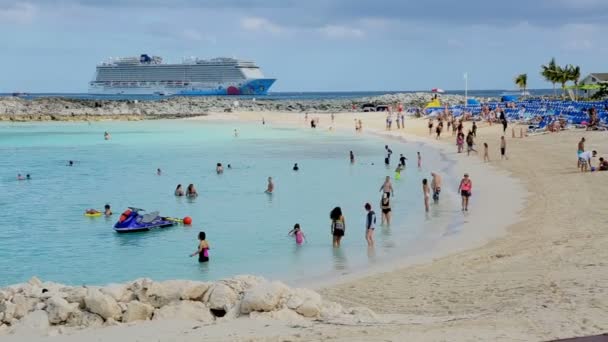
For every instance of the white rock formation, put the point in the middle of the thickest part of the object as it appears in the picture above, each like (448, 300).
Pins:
(185, 310)
(101, 304)
(137, 311)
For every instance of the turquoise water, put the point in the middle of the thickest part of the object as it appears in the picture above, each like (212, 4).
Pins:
(45, 233)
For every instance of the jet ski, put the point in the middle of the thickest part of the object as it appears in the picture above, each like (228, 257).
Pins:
(132, 221)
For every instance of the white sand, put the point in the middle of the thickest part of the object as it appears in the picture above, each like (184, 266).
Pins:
(546, 277)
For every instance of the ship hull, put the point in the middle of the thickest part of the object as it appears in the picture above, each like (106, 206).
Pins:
(248, 87)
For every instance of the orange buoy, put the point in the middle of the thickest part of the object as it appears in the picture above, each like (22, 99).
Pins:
(187, 220)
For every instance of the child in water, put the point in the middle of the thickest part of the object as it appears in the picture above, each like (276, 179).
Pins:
(298, 234)
(203, 248)
(107, 210)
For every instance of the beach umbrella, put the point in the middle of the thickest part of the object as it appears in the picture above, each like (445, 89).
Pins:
(437, 90)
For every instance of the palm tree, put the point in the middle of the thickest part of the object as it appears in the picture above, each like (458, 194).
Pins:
(549, 72)
(562, 76)
(575, 75)
(522, 82)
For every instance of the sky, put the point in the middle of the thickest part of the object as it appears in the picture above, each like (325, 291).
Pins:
(308, 45)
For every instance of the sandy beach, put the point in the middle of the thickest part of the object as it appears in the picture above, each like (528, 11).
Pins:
(528, 265)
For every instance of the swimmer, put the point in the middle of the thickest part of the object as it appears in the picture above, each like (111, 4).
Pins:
(402, 160)
(20, 177)
(219, 168)
(419, 160)
(203, 248)
(28, 177)
(159, 172)
(236, 133)
(387, 187)
(107, 210)
(270, 187)
(295, 167)
(352, 157)
(107, 136)
(298, 234)
(229, 166)
(179, 191)
(398, 171)
(71, 163)
(191, 191)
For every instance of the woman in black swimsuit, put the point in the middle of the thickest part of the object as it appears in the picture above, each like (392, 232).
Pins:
(385, 204)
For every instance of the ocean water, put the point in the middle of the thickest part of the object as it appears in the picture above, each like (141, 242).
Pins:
(329, 95)
(45, 233)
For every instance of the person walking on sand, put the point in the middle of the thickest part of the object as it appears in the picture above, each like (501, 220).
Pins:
(387, 187)
(338, 226)
(503, 148)
(430, 126)
(465, 188)
(270, 187)
(203, 248)
(470, 143)
(503, 120)
(332, 118)
(460, 142)
(385, 205)
(370, 225)
(298, 234)
(436, 186)
(439, 129)
(474, 129)
(427, 194)
(486, 156)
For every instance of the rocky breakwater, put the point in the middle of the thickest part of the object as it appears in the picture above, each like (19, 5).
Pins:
(46, 308)
(64, 109)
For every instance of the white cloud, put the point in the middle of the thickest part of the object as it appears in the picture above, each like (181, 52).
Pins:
(20, 13)
(261, 25)
(341, 32)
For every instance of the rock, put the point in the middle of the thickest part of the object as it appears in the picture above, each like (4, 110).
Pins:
(185, 310)
(103, 305)
(364, 315)
(162, 293)
(23, 305)
(116, 291)
(34, 281)
(110, 322)
(331, 310)
(137, 311)
(309, 309)
(195, 291)
(221, 297)
(284, 314)
(8, 309)
(59, 309)
(36, 322)
(75, 295)
(263, 297)
(84, 319)
(241, 283)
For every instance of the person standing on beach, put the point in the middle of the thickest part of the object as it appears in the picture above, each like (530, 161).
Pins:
(436, 186)
(426, 192)
(465, 188)
(460, 142)
(503, 120)
(419, 160)
(332, 118)
(203, 248)
(270, 187)
(430, 126)
(338, 226)
(486, 156)
(439, 129)
(370, 225)
(503, 148)
(470, 143)
(387, 187)
(474, 129)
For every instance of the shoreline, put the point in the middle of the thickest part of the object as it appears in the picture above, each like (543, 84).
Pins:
(543, 279)
(451, 241)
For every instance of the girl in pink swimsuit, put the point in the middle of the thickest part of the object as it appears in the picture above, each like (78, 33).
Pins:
(298, 234)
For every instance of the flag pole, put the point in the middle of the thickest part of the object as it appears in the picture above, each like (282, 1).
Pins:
(466, 89)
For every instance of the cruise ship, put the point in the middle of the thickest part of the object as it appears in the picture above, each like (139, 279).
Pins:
(148, 75)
